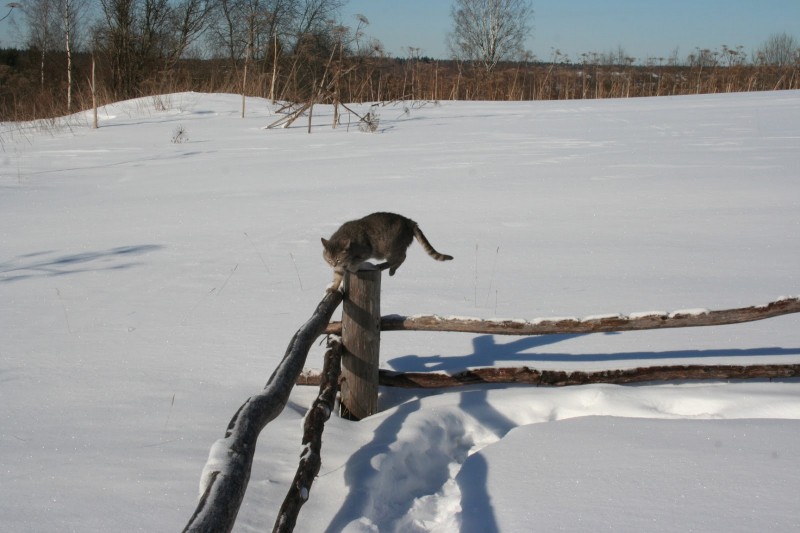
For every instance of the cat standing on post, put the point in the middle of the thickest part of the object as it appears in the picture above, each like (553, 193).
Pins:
(379, 236)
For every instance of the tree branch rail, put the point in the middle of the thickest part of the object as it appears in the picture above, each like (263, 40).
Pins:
(597, 324)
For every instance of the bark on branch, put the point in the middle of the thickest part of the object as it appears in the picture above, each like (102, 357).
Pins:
(311, 459)
(598, 324)
(227, 471)
(558, 378)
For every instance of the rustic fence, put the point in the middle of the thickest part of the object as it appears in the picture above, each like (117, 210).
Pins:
(603, 324)
(352, 364)
(227, 471)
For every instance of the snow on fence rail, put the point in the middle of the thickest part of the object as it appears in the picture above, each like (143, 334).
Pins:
(598, 324)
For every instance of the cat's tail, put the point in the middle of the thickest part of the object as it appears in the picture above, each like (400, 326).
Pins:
(427, 246)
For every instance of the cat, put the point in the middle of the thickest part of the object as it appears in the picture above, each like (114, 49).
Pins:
(380, 236)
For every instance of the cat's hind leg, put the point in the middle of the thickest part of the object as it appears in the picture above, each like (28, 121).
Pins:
(394, 262)
(391, 266)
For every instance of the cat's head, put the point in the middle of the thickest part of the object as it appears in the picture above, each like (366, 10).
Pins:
(337, 255)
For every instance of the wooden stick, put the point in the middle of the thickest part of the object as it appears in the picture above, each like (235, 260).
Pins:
(311, 459)
(558, 378)
(551, 326)
(227, 471)
(287, 120)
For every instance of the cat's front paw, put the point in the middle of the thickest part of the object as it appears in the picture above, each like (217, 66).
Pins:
(334, 287)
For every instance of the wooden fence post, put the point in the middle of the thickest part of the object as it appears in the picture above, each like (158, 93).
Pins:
(361, 332)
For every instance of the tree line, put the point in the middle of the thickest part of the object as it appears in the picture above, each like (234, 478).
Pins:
(296, 50)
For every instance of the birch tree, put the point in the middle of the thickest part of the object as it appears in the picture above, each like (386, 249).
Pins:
(489, 31)
(41, 16)
(780, 49)
(69, 22)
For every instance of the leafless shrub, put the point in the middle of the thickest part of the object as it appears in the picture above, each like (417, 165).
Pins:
(162, 102)
(369, 123)
(179, 135)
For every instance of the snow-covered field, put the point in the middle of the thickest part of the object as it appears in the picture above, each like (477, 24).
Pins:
(148, 287)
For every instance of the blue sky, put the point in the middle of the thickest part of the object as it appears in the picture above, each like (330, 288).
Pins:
(643, 28)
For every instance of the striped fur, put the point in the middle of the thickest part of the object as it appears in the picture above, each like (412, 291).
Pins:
(379, 236)
(426, 245)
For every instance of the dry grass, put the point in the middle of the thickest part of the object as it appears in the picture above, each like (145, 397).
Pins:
(376, 79)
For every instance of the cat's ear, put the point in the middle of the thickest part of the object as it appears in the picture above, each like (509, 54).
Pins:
(325, 242)
(346, 244)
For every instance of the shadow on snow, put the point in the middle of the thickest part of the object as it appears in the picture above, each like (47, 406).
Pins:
(393, 474)
(47, 264)
(487, 352)
(410, 457)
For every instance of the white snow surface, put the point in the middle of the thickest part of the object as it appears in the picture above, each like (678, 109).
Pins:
(149, 288)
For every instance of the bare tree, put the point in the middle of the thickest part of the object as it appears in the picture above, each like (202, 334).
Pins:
(314, 16)
(41, 18)
(269, 31)
(780, 49)
(245, 26)
(121, 44)
(188, 20)
(265, 20)
(489, 31)
(69, 25)
(143, 36)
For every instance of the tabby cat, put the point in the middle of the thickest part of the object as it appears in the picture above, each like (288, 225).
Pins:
(380, 236)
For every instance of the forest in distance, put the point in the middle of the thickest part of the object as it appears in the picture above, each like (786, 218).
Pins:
(355, 78)
(296, 51)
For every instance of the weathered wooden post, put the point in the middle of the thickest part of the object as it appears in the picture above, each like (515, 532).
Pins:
(361, 332)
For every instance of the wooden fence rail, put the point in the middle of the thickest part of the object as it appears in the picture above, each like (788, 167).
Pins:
(311, 458)
(227, 471)
(559, 378)
(601, 324)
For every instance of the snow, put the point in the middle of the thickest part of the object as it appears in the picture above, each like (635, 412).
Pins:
(151, 287)
(688, 312)
(602, 317)
(553, 319)
(646, 314)
(218, 461)
(636, 475)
